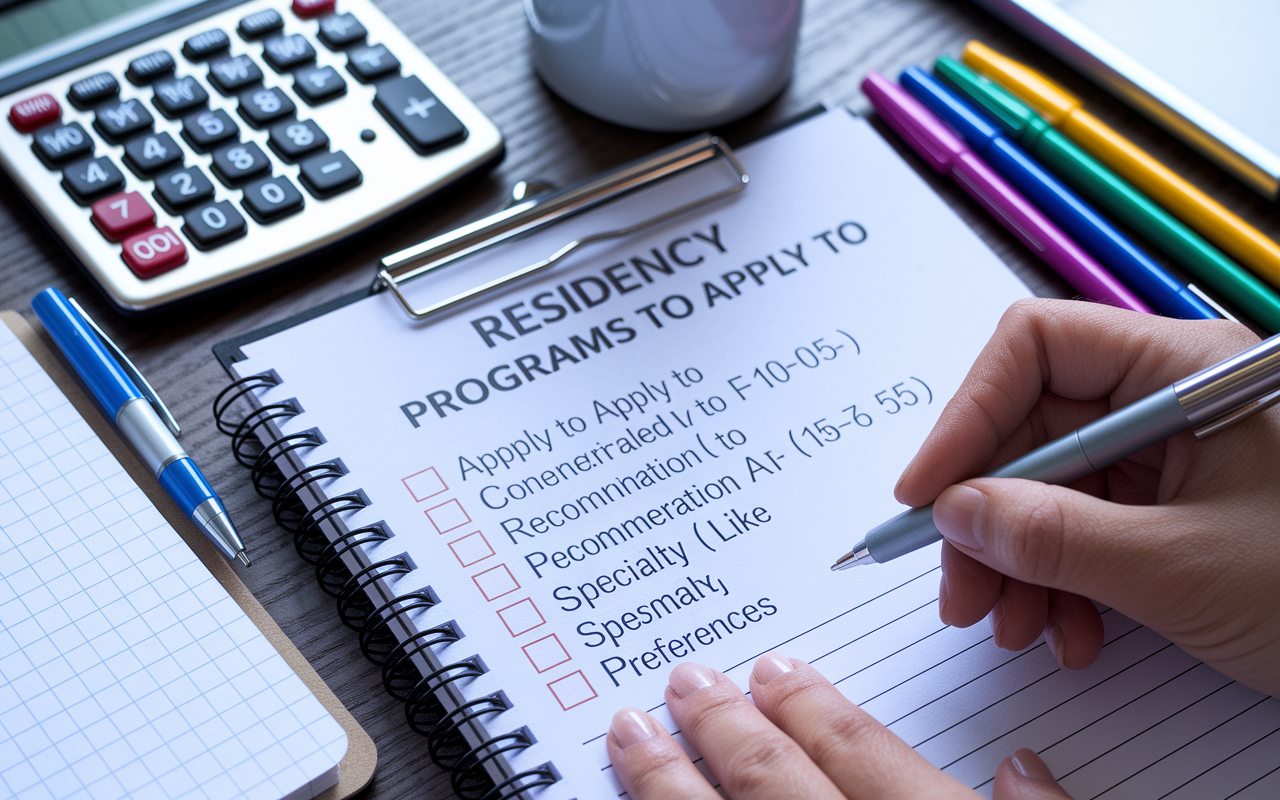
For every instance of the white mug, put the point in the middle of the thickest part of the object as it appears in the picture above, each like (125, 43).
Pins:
(665, 65)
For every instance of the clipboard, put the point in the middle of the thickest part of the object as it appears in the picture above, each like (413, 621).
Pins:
(357, 766)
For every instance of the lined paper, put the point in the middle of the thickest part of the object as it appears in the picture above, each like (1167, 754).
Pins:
(126, 670)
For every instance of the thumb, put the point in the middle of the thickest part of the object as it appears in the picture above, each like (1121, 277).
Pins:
(1023, 776)
(1060, 538)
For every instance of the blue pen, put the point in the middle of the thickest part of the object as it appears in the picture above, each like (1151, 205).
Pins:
(1148, 279)
(85, 346)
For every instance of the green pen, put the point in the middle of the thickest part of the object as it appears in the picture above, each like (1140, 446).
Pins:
(1112, 193)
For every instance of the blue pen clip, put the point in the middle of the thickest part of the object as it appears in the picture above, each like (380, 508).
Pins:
(127, 366)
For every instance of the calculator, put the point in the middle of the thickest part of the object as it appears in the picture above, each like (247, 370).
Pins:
(176, 146)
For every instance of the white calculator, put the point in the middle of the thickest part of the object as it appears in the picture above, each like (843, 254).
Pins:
(179, 145)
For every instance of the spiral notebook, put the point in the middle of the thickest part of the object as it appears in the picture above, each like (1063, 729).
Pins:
(534, 505)
(130, 666)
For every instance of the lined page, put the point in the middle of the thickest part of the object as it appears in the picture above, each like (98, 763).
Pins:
(126, 670)
(654, 453)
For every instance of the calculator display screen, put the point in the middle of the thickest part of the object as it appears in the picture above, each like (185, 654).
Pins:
(35, 31)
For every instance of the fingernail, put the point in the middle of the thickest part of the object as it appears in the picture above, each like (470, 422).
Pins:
(770, 666)
(958, 514)
(1029, 765)
(631, 726)
(1053, 637)
(688, 678)
(996, 617)
(943, 595)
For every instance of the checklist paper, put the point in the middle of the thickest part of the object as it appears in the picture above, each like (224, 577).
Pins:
(126, 670)
(654, 453)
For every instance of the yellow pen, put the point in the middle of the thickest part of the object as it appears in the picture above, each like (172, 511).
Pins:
(1248, 244)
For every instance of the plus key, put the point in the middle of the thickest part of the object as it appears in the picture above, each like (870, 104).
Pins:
(424, 122)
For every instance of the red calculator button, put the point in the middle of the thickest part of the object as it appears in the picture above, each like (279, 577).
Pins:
(34, 112)
(120, 214)
(312, 8)
(154, 251)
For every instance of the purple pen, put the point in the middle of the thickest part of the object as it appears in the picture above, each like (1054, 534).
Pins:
(949, 155)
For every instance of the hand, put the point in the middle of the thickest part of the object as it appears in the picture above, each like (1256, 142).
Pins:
(801, 739)
(1183, 537)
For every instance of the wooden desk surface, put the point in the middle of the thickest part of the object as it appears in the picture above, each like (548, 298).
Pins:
(482, 45)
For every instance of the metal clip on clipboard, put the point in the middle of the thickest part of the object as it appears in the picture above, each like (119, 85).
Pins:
(535, 213)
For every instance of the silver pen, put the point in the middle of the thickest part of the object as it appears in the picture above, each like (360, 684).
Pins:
(1208, 401)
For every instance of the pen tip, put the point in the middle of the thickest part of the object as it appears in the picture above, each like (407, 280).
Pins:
(858, 555)
(244, 557)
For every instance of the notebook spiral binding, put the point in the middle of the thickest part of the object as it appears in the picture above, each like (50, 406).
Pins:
(412, 672)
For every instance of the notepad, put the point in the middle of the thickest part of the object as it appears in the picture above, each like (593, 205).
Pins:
(126, 670)
(655, 452)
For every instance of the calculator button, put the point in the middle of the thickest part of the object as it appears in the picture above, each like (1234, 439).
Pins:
(296, 138)
(204, 46)
(154, 251)
(149, 68)
(262, 106)
(424, 122)
(239, 162)
(92, 90)
(318, 84)
(230, 75)
(35, 112)
(147, 155)
(329, 173)
(122, 119)
(214, 224)
(205, 129)
(255, 26)
(284, 53)
(120, 214)
(183, 188)
(339, 30)
(176, 96)
(88, 180)
(367, 63)
(57, 144)
(270, 199)
(306, 9)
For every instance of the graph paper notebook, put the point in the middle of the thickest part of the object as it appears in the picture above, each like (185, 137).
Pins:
(653, 454)
(127, 669)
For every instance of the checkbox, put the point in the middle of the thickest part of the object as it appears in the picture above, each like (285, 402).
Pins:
(471, 549)
(496, 582)
(572, 690)
(422, 485)
(546, 653)
(521, 617)
(447, 516)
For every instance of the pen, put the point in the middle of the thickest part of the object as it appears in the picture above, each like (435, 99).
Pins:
(1208, 401)
(107, 378)
(1185, 201)
(1113, 194)
(1123, 258)
(948, 154)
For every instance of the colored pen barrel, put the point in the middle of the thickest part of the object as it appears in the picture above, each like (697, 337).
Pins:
(1065, 112)
(1151, 282)
(948, 155)
(1113, 194)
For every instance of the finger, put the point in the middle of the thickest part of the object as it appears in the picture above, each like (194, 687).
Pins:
(1020, 615)
(1054, 537)
(1023, 776)
(1078, 351)
(1074, 632)
(649, 762)
(855, 751)
(968, 589)
(747, 753)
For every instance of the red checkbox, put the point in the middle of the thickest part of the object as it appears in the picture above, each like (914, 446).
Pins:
(546, 653)
(521, 617)
(572, 690)
(422, 485)
(496, 582)
(471, 549)
(448, 516)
